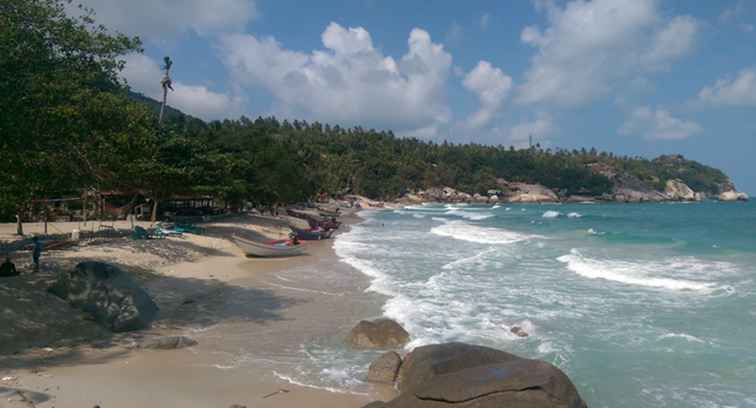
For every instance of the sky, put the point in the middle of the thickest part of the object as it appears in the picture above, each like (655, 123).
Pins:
(640, 77)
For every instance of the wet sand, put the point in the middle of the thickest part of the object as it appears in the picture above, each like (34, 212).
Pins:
(250, 317)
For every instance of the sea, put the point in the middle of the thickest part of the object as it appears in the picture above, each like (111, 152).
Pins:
(642, 305)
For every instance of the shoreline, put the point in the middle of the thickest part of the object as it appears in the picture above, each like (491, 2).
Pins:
(271, 317)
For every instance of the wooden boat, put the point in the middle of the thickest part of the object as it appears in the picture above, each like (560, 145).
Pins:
(314, 234)
(265, 250)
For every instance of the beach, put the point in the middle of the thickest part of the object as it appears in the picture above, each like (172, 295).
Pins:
(250, 318)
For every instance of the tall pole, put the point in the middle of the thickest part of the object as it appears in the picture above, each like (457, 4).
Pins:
(167, 84)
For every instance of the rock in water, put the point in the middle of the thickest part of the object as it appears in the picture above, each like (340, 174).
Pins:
(385, 368)
(733, 196)
(518, 331)
(679, 191)
(457, 373)
(378, 334)
(168, 343)
(109, 294)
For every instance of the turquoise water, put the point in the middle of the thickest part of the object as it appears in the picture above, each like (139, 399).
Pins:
(648, 305)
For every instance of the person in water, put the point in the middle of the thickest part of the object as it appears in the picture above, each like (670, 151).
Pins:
(8, 269)
(36, 253)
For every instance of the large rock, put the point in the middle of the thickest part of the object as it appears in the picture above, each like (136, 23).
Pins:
(733, 195)
(628, 195)
(678, 191)
(379, 334)
(529, 193)
(472, 376)
(109, 294)
(385, 368)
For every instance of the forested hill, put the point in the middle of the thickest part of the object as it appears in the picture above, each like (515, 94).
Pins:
(316, 158)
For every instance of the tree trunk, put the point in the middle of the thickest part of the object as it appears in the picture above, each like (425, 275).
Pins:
(19, 225)
(154, 210)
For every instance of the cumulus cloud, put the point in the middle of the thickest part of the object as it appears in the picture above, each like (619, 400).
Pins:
(737, 91)
(143, 75)
(491, 85)
(658, 124)
(157, 19)
(588, 47)
(349, 81)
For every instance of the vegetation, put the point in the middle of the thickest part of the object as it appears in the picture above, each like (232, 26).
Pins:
(69, 125)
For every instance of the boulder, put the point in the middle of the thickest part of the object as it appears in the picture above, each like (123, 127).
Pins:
(380, 334)
(733, 195)
(628, 195)
(385, 368)
(110, 295)
(472, 376)
(168, 343)
(518, 331)
(678, 191)
(479, 198)
(530, 193)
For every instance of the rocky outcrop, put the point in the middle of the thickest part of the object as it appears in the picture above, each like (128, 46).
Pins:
(528, 193)
(627, 195)
(168, 343)
(385, 368)
(676, 190)
(456, 373)
(733, 195)
(378, 334)
(110, 295)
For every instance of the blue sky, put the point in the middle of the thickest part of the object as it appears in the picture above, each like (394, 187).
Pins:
(641, 77)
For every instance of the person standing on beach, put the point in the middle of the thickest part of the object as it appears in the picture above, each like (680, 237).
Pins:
(8, 269)
(36, 253)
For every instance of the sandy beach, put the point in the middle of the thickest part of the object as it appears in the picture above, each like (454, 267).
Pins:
(249, 317)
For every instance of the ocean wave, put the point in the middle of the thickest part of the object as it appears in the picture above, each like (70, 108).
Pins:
(289, 379)
(684, 336)
(481, 235)
(633, 273)
(551, 214)
(472, 216)
(475, 259)
(574, 215)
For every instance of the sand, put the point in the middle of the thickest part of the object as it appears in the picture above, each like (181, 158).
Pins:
(205, 290)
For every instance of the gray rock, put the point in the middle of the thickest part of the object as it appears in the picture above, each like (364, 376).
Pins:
(109, 294)
(428, 362)
(472, 376)
(378, 334)
(385, 368)
(168, 343)
(518, 331)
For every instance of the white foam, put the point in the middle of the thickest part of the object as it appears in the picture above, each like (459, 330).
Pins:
(592, 231)
(292, 381)
(472, 216)
(495, 206)
(419, 216)
(551, 214)
(684, 336)
(481, 235)
(574, 215)
(630, 273)
(477, 258)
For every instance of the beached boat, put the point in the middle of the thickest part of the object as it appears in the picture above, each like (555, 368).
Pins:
(265, 250)
(314, 234)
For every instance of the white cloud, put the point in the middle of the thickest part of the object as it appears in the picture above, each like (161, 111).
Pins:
(491, 85)
(737, 91)
(158, 19)
(658, 124)
(348, 82)
(143, 75)
(589, 47)
(485, 20)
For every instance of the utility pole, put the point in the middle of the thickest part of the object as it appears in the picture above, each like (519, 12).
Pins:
(167, 84)
(530, 140)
